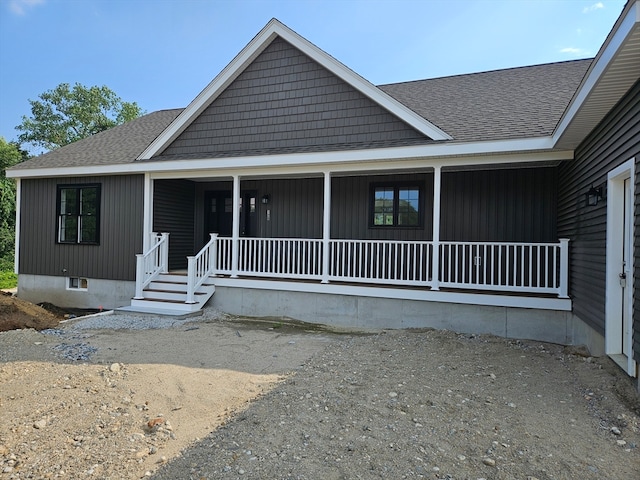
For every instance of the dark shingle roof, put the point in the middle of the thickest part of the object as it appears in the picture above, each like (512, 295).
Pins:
(121, 144)
(501, 104)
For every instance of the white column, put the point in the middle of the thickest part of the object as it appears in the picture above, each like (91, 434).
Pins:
(563, 291)
(147, 216)
(235, 235)
(435, 265)
(17, 246)
(326, 227)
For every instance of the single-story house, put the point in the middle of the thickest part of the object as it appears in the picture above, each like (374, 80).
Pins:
(503, 202)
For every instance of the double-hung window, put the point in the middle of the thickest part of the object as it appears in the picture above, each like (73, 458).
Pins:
(78, 213)
(396, 205)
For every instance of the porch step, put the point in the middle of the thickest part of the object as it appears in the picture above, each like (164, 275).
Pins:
(168, 292)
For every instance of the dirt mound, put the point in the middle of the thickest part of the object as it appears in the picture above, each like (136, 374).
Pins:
(16, 313)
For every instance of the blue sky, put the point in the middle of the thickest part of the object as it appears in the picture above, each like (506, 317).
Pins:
(162, 53)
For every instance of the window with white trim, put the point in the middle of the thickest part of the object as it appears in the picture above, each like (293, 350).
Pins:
(78, 208)
(396, 205)
(77, 283)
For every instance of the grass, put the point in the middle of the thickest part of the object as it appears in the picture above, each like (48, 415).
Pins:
(8, 280)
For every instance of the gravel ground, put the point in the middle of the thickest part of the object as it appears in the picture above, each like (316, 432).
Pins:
(215, 398)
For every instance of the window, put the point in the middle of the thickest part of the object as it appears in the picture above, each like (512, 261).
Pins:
(397, 205)
(76, 283)
(78, 213)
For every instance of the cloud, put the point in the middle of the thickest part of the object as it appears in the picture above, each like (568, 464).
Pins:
(573, 51)
(20, 7)
(593, 8)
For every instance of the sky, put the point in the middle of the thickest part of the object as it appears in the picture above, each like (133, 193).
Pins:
(163, 53)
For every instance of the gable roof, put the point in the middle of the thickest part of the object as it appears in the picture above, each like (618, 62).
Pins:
(261, 41)
(511, 103)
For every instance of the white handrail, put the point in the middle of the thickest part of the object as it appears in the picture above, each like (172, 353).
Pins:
(201, 266)
(152, 263)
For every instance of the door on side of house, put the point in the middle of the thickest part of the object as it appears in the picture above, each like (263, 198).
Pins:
(218, 217)
(619, 286)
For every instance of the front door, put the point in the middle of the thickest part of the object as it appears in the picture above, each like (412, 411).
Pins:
(619, 295)
(219, 214)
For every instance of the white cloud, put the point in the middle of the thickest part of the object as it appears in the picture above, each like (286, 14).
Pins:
(573, 51)
(20, 7)
(593, 8)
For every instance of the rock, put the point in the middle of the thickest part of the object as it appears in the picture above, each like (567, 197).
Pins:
(621, 443)
(154, 422)
(615, 430)
(115, 367)
(393, 394)
(40, 424)
(490, 462)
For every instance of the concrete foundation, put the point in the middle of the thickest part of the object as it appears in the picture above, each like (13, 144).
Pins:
(107, 294)
(358, 312)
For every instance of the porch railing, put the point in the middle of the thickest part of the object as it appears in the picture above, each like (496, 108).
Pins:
(201, 266)
(152, 263)
(497, 266)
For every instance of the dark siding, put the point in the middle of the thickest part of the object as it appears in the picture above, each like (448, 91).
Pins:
(173, 213)
(120, 230)
(636, 264)
(499, 205)
(285, 100)
(615, 140)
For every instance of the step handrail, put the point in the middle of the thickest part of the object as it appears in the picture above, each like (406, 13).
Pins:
(201, 266)
(152, 263)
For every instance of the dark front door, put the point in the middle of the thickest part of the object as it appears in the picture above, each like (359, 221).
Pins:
(219, 213)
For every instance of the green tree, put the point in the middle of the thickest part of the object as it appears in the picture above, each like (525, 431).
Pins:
(66, 114)
(10, 154)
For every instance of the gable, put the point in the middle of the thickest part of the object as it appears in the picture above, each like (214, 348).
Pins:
(284, 101)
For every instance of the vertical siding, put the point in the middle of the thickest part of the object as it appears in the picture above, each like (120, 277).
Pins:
(512, 205)
(636, 265)
(121, 214)
(615, 140)
(173, 212)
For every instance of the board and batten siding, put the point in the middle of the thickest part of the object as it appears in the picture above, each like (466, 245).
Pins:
(286, 101)
(121, 213)
(173, 213)
(615, 140)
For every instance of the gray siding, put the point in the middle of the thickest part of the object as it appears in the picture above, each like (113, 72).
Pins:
(284, 100)
(512, 205)
(120, 230)
(615, 140)
(636, 259)
(173, 213)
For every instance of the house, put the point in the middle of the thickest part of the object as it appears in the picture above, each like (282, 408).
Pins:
(503, 202)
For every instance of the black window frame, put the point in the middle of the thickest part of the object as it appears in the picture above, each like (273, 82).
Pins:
(77, 213)
(396, 187)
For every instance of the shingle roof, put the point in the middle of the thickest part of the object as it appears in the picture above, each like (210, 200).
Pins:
(501, 104)
(118, 145)
(519, 102)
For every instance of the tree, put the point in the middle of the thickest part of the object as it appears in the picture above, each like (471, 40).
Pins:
(64, 115)
(10, 154)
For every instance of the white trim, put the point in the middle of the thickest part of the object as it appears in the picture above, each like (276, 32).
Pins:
(16, 260)
(598, 68)
(147, 215)
(449, 155)
(326, 227)
(613, 307)
(272, 30)
(515, 301)
(235, 234)
(78, 288)
(435, 272)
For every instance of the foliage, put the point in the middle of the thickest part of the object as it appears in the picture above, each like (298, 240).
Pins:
(10, 154)
(8, 279)
(66, 114)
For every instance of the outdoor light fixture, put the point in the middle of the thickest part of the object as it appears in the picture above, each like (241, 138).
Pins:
(266, 199)
(593, 195)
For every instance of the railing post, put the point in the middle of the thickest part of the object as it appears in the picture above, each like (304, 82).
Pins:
(435, 259)
(164, 252)
(191, 279)
(213, 255)
(326, 228)
(139, 276)
(563, 288)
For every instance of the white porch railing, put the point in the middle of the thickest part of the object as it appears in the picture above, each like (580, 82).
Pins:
(201, 266)
(152, 263)
(497, 266)
(500, 266)
(380, 261)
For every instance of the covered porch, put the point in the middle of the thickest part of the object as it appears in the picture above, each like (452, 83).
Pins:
(481, 234)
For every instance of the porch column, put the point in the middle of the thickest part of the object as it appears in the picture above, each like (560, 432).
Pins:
(147, 215)
(16, 258)
(235, 234)
(435, 265)
(326, 227)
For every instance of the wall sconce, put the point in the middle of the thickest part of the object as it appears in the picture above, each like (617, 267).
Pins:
(266, 199)
(593, 196)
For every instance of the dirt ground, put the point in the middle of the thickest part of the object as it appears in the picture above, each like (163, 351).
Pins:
(230, 398)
